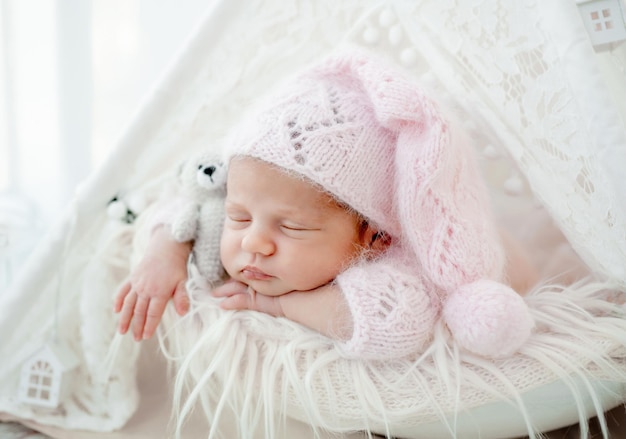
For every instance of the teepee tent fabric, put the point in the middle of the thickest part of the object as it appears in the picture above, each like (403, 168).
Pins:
(520, 73)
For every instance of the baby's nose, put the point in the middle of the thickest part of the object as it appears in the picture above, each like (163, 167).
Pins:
(258, 241)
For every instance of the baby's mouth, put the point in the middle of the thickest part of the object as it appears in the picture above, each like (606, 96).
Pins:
(253, 273)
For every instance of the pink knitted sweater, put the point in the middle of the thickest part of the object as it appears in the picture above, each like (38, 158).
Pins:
(393, 308)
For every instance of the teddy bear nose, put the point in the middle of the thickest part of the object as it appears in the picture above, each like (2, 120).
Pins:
(209, 171)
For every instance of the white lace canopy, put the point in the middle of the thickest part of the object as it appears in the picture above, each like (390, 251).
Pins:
(523, 72)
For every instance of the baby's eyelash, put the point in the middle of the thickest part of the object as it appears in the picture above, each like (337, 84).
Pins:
(238, 219)
(298, 228)
(293, 228)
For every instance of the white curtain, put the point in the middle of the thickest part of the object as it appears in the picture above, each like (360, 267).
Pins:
(72, 72)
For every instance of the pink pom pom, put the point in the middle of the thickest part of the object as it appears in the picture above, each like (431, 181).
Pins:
(488, 318)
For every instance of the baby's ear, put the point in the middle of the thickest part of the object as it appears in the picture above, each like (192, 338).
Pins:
(381, 241)
(374, 239)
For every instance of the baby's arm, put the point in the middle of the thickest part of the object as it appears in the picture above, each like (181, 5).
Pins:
(375, 309)
(160, 276)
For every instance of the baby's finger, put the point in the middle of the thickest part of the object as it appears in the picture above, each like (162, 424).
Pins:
(153, 317)
(230, 289)
(181, 299)
(127, 312)
(237, 302)
(121, 294)
(139, 316)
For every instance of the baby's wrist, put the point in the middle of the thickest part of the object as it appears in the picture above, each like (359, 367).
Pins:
(163, 241)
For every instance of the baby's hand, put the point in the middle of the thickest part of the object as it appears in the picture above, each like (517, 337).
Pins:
(323, 309)
(160, 276)
(238, 296)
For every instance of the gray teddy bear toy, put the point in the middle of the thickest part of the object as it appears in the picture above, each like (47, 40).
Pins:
(203, 186)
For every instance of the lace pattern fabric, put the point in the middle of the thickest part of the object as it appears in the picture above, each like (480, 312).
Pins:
(520, 71)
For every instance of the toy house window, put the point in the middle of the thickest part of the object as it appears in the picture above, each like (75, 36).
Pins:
(40, 381)
(601, 20)
(604, 20)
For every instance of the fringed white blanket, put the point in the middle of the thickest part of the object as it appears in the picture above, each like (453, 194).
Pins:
(265, 369)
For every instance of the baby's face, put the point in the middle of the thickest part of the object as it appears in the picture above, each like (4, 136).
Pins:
(282, 234)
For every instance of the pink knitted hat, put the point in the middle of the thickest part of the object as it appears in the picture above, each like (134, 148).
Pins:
(372, 137)
(323, 125)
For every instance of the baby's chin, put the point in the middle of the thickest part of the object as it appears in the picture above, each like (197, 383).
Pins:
(274, 286)
(274, 289)
(267, 288)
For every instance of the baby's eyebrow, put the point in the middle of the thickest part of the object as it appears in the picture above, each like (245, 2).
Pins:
(232, 205)
(300, 214)
(287, 211)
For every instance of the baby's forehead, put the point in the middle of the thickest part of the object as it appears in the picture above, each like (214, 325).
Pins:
(297, 192)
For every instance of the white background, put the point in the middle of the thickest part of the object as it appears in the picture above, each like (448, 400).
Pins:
(72, 72)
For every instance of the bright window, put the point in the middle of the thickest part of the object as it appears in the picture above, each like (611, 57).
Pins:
(72, 73)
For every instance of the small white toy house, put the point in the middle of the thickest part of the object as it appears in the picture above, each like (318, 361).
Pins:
(605, 20)
(44, 379)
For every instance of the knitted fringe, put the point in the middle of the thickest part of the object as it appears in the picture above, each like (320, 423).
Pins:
(266, 370)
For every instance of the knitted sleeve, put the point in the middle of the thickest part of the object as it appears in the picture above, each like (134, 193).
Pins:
(392, 309)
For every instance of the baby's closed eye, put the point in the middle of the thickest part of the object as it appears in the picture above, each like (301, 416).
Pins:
(238, 218)
(298, 230)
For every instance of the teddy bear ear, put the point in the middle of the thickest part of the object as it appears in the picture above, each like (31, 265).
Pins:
(221, 173)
